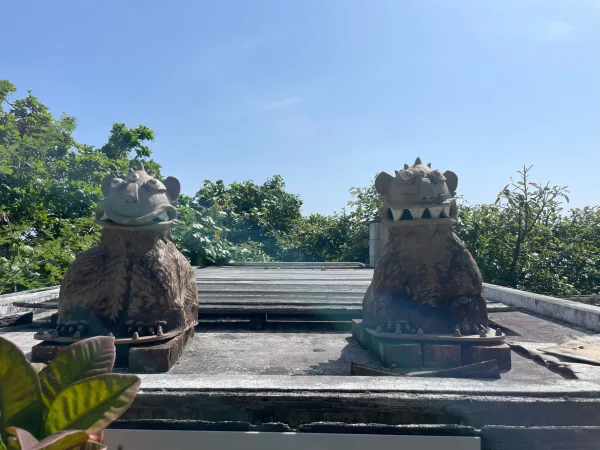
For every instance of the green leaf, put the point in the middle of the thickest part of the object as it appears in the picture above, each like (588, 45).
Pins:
(92, 404)
(84, 359)
(63, 440)
(20, 398)
(38, 367)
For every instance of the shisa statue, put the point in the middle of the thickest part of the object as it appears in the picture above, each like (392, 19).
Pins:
(135, 284)
(425, 281)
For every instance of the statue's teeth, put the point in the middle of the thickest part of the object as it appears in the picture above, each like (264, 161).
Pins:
(435, 211)
(397, 213)
(446, 210)
(417, 212)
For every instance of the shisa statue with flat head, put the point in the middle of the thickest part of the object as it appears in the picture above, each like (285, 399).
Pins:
(135, 284)
(425, 280)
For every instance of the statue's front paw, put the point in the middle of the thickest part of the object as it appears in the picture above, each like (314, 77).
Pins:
(137, 329)
(469, 328)
(73, 330)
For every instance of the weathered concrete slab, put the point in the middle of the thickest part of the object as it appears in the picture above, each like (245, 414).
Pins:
(519, 326)
(34, 296)
(21, 318)
(586, 317)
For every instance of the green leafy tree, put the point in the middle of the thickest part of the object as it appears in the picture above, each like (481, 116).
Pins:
(252, 212)
(204, 239)
(50, 186)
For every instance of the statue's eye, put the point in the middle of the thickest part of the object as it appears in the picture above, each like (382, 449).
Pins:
(116, 182)
(406, 175)
(156, 184)
(436, 175)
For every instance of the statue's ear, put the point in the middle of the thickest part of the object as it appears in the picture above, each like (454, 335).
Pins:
(106, 181)
(382, 182)
(451, 180)
(173, 188)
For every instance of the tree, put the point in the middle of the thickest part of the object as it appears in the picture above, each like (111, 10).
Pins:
(50, 186)
(204, 239)
(252, 212)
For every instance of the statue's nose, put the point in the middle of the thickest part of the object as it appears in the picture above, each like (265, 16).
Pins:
(131, 193)
(426, 190)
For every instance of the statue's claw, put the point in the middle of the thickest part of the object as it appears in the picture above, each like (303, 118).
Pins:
(457, 332)
(159, 331)
(77, 335)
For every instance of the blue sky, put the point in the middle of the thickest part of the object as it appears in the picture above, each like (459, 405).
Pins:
(326, 92)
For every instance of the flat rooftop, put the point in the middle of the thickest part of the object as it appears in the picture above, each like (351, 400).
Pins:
(274, 345)
(305, 328)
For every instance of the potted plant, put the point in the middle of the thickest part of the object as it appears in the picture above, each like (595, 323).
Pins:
(66, 404)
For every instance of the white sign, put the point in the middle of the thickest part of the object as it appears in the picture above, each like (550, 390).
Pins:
(228, 440)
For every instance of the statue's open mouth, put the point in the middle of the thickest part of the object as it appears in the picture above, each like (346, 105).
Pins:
(445, 210)
(161, 217)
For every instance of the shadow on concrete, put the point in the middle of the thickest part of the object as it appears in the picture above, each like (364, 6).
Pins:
(352, 352)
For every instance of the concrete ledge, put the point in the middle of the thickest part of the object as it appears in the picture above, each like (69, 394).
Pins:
(298, 400)
(580, 315)
(33, 296)
(551, 388)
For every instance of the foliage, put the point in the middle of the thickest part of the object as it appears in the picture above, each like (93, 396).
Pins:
(50, 186)
(204, 239)
(366, 203)
(339, 237)
(251, 212)
(75, 391)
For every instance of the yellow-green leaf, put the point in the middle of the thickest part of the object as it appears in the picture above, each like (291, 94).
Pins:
(38, 367)
(20, 398)
(92, 404)
(84, 359)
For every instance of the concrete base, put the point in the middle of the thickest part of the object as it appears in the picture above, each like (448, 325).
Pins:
(415, 354)
(144, 358)
(156, 358)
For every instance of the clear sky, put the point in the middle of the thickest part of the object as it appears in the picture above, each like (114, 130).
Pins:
(326, 92)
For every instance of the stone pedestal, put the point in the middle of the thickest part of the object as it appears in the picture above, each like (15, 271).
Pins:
(152, 357)
(418, 351)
